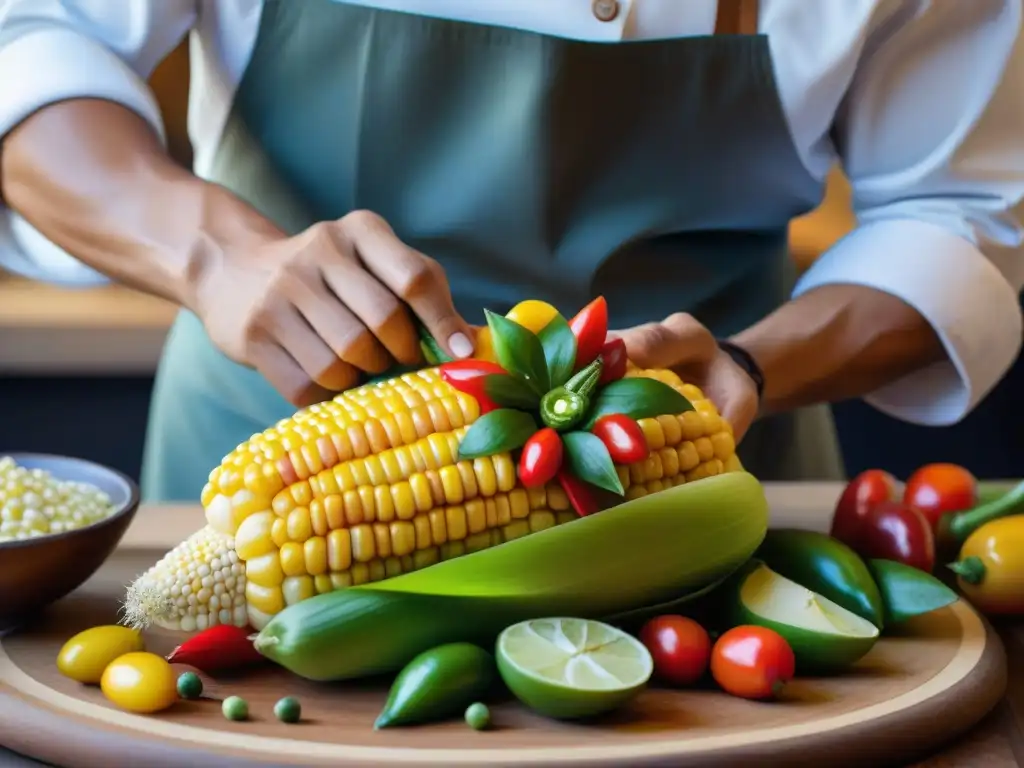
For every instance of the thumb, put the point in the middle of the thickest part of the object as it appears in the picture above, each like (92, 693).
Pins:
(649, 345)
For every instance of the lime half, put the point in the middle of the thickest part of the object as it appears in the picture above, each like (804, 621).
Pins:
(572, 668)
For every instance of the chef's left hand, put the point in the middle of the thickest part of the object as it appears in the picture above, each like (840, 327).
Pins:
(681, 343)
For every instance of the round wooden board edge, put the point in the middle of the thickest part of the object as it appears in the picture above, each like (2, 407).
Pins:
(975, 678)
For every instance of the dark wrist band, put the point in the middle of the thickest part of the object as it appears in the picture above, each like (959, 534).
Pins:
(746, 361)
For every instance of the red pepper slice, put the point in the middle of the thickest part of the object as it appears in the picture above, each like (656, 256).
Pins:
(622, 437)
(541, 458)
(590, 326)
(867, 489)
(895, 531)
(218, 649)
(469, 377)
(580, 494)
(613, 361)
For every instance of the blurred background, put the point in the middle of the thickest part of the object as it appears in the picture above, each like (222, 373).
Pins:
(76, 367)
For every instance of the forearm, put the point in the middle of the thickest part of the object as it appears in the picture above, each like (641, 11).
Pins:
(94, 179)
(838, 342)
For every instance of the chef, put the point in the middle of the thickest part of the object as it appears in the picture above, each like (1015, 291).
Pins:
(360, 164)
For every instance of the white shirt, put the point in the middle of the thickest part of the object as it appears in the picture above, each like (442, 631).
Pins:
(921, 100)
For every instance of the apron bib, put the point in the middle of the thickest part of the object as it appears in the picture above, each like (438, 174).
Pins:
(659, 173)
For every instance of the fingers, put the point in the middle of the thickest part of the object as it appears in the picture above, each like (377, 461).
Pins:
(679, 340)
(411, 277)
(286, 375)
(312, 352)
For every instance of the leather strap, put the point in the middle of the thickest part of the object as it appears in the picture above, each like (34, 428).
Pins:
(736, 17)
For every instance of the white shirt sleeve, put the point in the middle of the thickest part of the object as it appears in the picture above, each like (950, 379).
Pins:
(931, 134)
(53, 50)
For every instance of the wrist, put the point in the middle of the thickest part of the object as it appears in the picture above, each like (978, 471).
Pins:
(223, 225)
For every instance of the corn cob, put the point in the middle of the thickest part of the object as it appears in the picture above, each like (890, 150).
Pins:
(367, 486)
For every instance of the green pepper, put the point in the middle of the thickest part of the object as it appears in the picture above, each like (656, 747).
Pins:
(564, 407)
(826, 566)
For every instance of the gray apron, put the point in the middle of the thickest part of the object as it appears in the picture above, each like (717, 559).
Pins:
(659, 173)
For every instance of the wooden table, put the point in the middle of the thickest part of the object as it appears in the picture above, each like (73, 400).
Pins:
(998, 742)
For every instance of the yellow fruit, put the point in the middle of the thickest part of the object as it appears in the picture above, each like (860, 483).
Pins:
(483, 349)
(532, 314)
(87, 654)
(140, 682)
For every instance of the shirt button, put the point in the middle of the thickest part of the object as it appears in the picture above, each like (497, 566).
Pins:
(605, 10)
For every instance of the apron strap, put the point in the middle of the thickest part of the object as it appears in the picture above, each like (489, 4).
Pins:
(736, 17)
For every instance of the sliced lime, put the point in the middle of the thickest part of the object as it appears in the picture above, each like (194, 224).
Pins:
(572, 668)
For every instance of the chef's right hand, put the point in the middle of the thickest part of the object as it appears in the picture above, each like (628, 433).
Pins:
(313, 312)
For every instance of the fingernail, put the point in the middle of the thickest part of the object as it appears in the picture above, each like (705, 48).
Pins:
(460, 345)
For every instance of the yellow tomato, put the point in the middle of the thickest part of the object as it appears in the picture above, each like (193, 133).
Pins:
(532, 314)
(87, 654)
(991, 567)
(140, 682)
(484, 348)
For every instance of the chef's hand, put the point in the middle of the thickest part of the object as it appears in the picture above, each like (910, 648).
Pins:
(681, 343)
(315, 311)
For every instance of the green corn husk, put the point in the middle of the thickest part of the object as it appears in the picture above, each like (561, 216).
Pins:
(653, 550)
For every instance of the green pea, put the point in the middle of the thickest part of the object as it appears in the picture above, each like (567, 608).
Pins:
(288, 710)
(478, 716)
(189, 685)
(235, 708)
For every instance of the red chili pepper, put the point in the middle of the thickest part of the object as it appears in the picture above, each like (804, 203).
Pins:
(939, 489)
(217, 649)
(865, 491)
(580, 494)
(470, 376)
(541, 458)
(590, 327)
(613, 361)
(622, 437)
(895, 531)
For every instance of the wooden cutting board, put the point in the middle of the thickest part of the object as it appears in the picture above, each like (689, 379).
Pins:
(911, 694)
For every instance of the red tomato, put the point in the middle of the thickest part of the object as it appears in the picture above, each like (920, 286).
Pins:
(752, 662)
(865, 491)
(470, 377)
(622, 437)
(590, 327)
(938, 489)
(541, 458)
(680, 647)
(895, 531)
(613, 361)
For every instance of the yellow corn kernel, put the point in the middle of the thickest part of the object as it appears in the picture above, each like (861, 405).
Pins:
(265, 570)
(438, 526)
(267, 600)
(300, 526)
(323, 584)
(363, 548)
(455, 523)
(293, 559)
(339, 550)
(279, 532)
(297, 588)
(540, 520)
(315, 554)
(476, 515)
(253, 537)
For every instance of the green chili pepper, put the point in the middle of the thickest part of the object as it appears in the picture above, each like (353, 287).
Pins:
(564, 407)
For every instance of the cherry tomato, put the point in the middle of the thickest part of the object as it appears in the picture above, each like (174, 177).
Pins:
(470, 377)
(541, 458)
(680, 647)
(532, 314)
(752, 662)
(622, 437)
(590, 327)
(864, 491)
(613, 361)
(938, 489)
